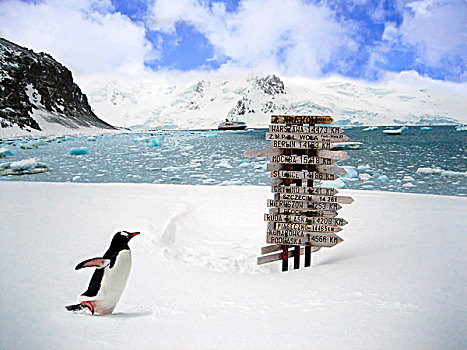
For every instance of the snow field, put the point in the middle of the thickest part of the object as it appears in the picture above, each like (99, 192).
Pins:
(397, 281)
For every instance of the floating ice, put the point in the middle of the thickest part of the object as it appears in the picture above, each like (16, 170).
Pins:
(23, 167)
(351, 172)
(393, 131)
(154, 143)
(364, 177)
(231, 183)
(428, 171)
(211, 135)
(77, 178)
(338, 183)
(453, 173)
(382, 178)
(461, 128)
(5, 152)
(364, 167)
(439, 171)
(425, 128)
(370, 128)
(225, 163)
(77, 151)
(408, 184)
(408, 178)
(347, 145)
(92, 138)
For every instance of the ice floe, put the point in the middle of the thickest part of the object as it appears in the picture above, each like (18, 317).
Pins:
(4, 152)
(23, 167)
(439, 171)
(347, 145)
(78, 151)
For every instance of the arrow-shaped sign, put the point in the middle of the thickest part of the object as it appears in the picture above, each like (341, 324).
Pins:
(301, 119)
(296, 237)
(305, 219)
(313, 198)
(304, 205)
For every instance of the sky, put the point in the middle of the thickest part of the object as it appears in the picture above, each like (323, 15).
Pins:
(359, 39)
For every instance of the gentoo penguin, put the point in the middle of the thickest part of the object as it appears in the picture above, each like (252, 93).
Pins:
(110, 277)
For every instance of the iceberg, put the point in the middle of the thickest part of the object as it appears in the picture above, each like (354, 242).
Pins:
(347, 145)
(393, 131)
(350, 172)
(461, 128)
(4, 152)
(439, 171)
(78, 151)
(23, 167)
(338, 183)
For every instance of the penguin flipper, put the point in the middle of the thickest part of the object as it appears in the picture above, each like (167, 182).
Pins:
(99, 263)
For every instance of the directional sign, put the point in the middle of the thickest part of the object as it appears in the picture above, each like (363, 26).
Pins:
(302, 205)
(303, 227)
(304, 175)
(304, 212)
(305, 220)
(266, 152)
(297, 237)
(325, 169)
(309, 160)
(306, 137)
(306, 129)
(301, 119)
(305, 190)
(305, 197)
(300, 144)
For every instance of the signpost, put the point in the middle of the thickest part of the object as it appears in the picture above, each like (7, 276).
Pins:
(302, 217)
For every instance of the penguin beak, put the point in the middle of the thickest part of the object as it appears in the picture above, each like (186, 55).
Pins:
(134, 234)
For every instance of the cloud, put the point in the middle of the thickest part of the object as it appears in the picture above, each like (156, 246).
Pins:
(82, 34)
(293, 36)
(435, 31)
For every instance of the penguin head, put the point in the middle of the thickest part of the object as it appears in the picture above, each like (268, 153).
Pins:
(121, 239)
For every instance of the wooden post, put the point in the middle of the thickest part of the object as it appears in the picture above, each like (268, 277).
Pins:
(309, 184)
(285, 248)
(285, 258)
(296, 256)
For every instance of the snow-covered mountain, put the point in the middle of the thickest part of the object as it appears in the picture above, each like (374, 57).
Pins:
(203, 99)
(37, 94)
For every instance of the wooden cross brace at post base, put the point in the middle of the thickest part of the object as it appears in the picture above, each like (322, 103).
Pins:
(305, 223)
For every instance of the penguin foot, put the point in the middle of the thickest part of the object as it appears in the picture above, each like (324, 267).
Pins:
(89, 306)
(79, 307)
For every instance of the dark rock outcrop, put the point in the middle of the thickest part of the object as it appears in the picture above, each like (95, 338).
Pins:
(32, 82)
(271, 85)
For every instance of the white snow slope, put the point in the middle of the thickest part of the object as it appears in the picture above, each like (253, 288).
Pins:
(202, 99)
(396, 282)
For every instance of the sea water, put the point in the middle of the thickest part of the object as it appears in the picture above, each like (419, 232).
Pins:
(418, 160)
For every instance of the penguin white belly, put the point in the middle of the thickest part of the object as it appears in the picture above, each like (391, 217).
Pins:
(112, 285)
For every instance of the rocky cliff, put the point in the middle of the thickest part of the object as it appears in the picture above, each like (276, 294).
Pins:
(35, 89)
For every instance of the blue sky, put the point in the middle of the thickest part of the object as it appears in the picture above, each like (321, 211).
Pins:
(360, 39)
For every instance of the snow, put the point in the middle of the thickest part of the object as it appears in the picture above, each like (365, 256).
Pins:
(397, 281)
(163, 99)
